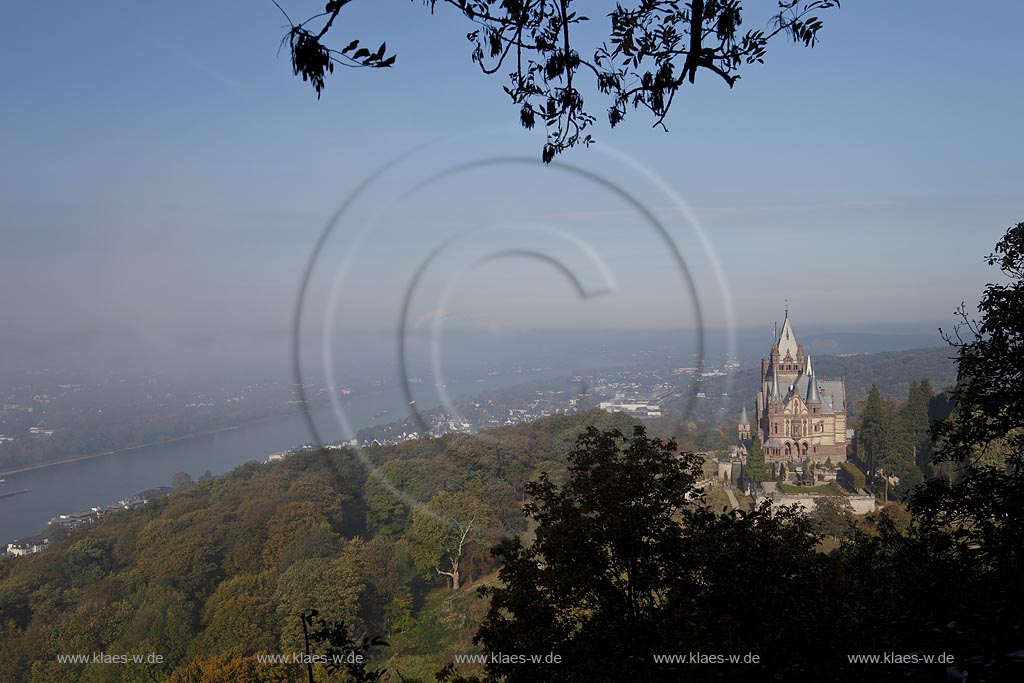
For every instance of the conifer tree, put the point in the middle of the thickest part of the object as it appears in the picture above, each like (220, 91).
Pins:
(756, 469)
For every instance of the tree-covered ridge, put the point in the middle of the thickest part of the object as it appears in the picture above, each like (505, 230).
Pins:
(218, 572)
(893, 373)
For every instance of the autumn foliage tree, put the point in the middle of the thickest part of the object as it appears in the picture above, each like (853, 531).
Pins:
(443, 529)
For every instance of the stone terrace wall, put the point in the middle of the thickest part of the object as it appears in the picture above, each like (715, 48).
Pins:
(862, 503)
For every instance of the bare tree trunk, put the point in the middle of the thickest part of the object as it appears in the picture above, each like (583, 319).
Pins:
(453, 575)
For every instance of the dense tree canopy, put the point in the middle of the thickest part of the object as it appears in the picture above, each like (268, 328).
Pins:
(623, 571)
(893, 437)
(653, 48)
(220, 570)
(592, 587)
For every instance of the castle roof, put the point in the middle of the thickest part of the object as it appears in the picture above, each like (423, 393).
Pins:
(833, 395)
(831, 392)
(787, 340)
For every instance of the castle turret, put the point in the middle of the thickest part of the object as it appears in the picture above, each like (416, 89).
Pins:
(813, 394)
(744, 426)
(813, 399)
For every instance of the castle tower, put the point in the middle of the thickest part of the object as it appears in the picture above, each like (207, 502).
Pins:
(744, 426)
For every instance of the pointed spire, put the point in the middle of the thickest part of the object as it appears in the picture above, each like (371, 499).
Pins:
(744, 420)
(775, 382)
(813, 395)
(807, 367)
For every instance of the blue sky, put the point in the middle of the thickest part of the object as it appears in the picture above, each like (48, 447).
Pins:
(164, 174)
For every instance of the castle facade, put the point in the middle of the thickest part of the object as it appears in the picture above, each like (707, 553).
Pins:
(798, 415)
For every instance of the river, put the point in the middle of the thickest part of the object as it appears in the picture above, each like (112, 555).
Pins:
(106, 479)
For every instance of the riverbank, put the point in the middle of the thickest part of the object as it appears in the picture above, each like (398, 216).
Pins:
(85, 482)
(292, 409)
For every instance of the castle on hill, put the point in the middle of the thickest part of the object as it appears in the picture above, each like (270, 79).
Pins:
(798, 414)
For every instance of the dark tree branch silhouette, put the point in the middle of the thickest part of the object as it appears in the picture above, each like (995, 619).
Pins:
(654, 48)
(990, 362)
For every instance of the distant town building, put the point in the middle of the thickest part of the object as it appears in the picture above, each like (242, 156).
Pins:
(83, 518)
(27, 546)
(74, 520)
(635, 407)
(798, 414)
